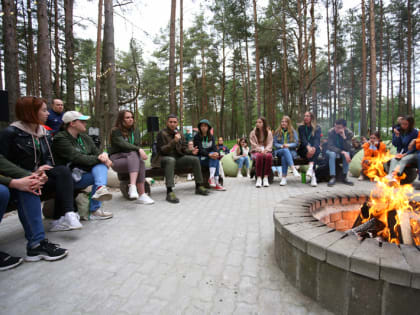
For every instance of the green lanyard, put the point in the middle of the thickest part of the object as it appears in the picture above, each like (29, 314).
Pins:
(308, 136)
(285, 134)
(337, 140)
(205, 142)
(81, 144)
(131, 139)
(36, 143)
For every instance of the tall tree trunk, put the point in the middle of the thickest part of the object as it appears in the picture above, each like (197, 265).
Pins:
(44, 58)
(301, 60)
(204, 98)
(69, 43)
(222, 104)
(244, 91)
(352, 88)
(181, 65)
(284, 61)
(409, 38)
(257, 60)
(57, 91)
(363, 118)
(99, 107)
(372, 67)
(11, 70)
(329, 64)
(313, 60)
(233, 117)
(388, 61)
(381, 40)
(335, 23)
(172, 79)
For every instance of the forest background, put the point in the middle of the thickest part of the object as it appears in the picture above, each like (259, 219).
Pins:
(229, 61)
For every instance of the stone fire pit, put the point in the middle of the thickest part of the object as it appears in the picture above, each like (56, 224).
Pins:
(344, 275)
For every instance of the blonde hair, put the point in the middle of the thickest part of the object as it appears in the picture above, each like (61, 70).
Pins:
(313, 122)
(290, 129)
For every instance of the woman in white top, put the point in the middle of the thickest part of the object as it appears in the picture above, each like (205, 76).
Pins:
(240, 156)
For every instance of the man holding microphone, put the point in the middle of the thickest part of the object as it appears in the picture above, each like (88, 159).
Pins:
(173, 152)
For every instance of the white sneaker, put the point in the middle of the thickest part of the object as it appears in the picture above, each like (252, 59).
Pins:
(360, 178)
(102, 194)
(189, 177)
(59, 225)
(295, 172)
(144, 199)
(73, 220)
(212, 182)
(310, 173)
(390, 177)
(265, 182)
(101, 215)
(313, 181)
(132, 192)
(240, 174)
(283, 181)
(258, 183)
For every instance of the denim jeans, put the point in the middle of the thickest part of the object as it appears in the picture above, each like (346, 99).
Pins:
(29, 212)
(287, 157)
(209, 162)
(98, 176)
(418, 163)
(332, 157)
(241, 161)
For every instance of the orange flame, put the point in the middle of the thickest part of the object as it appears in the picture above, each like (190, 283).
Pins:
(390, 195)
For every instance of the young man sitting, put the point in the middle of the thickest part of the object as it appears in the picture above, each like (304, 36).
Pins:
(76, 149)
(173, 153)
(339, 145)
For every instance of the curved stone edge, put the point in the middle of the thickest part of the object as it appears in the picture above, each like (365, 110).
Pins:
(307, 251)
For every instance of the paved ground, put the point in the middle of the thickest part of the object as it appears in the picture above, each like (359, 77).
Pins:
(206, 255)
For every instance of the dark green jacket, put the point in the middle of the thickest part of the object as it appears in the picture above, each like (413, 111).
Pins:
(9, 171)
(67, 150)
(119, 144)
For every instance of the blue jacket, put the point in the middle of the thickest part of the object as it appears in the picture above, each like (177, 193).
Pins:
(54, 121)
(278, 141)
(402, 142)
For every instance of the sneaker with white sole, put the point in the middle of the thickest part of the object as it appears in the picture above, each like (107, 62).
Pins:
(47, 251)
(258, 184)
(295, 172)
(212, 182)
(73, 220)
(360, 178)
(101, 215)
(9, 262)
(283, 181)
(310, 173)
(265, 182)
(313, 181)
(102, 194)
(60, 225)
(144, 199)
(240, 174)
(132, 192)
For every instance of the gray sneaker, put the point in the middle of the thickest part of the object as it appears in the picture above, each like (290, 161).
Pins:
(101, 215)
(102, 194)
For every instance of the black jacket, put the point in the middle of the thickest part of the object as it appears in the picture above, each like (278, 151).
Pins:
(20, 147)
(198, 142)
(306, 137)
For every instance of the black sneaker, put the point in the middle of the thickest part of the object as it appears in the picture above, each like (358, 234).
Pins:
(200, 190)
(347, 182)
(9, 262)
(171, 197)
(332, 181)
(46, 250)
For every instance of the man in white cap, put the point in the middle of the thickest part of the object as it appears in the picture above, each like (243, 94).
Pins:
(73, 147)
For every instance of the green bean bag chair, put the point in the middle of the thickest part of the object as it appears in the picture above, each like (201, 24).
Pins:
(356, 162)
(230, 167)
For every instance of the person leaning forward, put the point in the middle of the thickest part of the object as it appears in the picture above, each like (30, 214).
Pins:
(172, 152)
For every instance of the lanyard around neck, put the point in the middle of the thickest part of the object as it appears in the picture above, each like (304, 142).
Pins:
(131, 139)
(308, 136)
(81, 144)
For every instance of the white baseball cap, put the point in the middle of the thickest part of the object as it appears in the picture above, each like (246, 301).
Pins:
(73, 115)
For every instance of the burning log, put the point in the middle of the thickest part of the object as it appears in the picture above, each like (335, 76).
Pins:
(373, 226)
(364, 214)
(405, 226)
(394, 229)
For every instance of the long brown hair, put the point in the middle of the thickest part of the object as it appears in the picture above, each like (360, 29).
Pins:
(239, 148)
(313, 122)
(119, 124)
(290, 129)
(264, 128)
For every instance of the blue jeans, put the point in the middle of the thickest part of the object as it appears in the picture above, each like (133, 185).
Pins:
(332, 157)
(29, 212)
(98, 176)
(287, 157)
(241, 161)
(209, 162)
(418, 163)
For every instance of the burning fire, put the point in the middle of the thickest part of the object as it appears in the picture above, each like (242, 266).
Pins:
(392, 203)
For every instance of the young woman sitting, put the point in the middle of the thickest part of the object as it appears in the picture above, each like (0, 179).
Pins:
(128, 157)
(285, 144)
(27, 144)
(309, 148)
(372, 149)
(240, 156)
(207, 153)
(261, 140)
(402, 138)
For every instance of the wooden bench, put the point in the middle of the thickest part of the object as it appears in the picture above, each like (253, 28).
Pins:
(160, 172)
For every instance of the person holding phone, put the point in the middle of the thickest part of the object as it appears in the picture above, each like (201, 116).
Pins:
(173, 152)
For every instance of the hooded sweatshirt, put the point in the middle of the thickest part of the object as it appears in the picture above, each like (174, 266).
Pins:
(205, 144)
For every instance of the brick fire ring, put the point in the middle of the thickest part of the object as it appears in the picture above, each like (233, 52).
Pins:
(345, 276)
